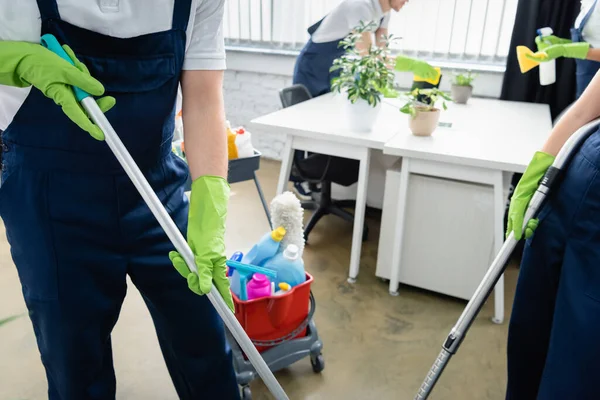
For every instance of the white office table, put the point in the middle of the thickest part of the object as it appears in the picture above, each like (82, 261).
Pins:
(487, 139)
(319, 125)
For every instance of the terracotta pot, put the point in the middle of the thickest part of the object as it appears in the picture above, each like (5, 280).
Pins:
(361, 116)
(461, 94)
(425, 122)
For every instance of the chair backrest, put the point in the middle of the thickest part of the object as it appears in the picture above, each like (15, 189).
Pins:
(293, 95)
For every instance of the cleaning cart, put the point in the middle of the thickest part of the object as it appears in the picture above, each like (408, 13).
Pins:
(282, 329)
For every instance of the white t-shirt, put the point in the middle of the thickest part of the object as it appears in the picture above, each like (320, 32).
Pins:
(591, 30)
(205, 48)
(346, 16)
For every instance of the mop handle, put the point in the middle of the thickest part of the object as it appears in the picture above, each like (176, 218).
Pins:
(145, 190)
(459, 331)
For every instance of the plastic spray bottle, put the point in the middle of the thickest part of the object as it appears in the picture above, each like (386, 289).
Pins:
(289, 266)
(547, 69)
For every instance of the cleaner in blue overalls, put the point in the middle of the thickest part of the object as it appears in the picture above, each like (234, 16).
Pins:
(553, 340)
(76, 224)
(316, 58)
(584, 45)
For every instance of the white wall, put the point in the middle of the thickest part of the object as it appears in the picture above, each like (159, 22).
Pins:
(252, 82)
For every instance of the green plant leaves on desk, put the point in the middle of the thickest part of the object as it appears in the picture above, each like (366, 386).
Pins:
(424, 99)
(364, 76)
(464, 79)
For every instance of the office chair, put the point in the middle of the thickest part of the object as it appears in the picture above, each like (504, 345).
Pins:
(321, 169)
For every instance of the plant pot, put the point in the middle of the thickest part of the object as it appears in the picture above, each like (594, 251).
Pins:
(360, 115)
(461, 94)
(424, 122)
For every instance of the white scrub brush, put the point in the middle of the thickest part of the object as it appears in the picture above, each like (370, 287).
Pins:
(287, 211)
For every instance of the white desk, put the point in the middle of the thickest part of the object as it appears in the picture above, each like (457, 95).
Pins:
(319, 125)
(487, 139)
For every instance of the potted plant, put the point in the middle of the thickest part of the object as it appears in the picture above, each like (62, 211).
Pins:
(422, 111)
(364, 78)
(461, 87)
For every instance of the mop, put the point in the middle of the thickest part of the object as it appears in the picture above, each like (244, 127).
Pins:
(145, 190)
(457, 334)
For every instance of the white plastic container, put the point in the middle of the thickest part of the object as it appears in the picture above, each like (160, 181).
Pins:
(547, 69)
(243, 142)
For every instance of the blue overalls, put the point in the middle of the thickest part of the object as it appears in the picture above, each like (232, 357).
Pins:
(314, 62)
(554, 333)
(77, 226)
(586, 69)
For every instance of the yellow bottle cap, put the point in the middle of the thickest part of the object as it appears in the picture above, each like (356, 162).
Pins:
(284, 286)
(278, 234)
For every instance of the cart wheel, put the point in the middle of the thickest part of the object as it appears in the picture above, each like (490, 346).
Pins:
(246, 393)
(318, 363)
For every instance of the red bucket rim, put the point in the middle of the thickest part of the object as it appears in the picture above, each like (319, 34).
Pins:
(308, 281)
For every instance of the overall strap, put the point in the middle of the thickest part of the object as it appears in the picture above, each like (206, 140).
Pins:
(588, 15)
(313, 28)
(181, 14)
(48, 9)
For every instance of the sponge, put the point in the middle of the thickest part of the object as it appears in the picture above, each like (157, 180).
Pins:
(525, 63)
(433, 81)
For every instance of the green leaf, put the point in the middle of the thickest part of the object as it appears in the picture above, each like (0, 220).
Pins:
(408, 108)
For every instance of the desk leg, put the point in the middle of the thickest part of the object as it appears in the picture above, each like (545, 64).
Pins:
(397, 238)
(499, 208)
(286, 164)
(359, 215)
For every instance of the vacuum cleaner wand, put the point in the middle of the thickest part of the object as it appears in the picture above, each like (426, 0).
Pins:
(459, 331)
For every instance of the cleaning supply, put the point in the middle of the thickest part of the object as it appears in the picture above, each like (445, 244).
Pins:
(232, 151)
(547, 69)
(178, 133)
(242, 273)
(283, 289)
(266, 248)
(434, 81)
(549, 49)
(237, 256)
(243, 141)
(259, 286)
(526, 63)
(286, 211)
(288, 265)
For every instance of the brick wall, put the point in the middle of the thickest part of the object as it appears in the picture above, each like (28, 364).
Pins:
(249, 95)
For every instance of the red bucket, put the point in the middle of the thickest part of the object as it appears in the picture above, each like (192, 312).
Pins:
(275, 318)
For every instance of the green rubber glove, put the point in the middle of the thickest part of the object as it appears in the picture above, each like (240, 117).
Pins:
(524, 192)
(26, 64)
(417, 67)
(206, 237)
(569, 50)
(547, 41)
